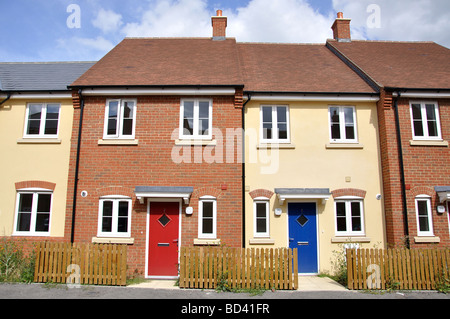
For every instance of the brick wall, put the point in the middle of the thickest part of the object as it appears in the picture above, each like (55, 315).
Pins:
(117, 169)
(425, 167)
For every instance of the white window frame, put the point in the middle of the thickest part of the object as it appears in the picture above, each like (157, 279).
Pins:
(430, 231)
(348, 200)
(195, 135)
(275, 138)
(425, 122)
(42, 121)
(264, 201)
(35, 192)
(205, 199)
(120, 118)
(115, 216)
(342, 124)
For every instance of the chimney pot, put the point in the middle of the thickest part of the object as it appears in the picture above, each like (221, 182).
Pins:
(219, 13)
(340, 15)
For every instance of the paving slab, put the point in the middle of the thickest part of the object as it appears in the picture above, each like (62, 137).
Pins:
(305, 283)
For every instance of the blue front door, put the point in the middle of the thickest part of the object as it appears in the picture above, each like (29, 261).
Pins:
(303, 235)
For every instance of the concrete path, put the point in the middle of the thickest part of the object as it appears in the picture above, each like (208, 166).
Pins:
(305, 283)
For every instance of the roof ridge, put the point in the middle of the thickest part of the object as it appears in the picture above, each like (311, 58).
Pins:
(386, 41)
(174, 38)
(283, 43)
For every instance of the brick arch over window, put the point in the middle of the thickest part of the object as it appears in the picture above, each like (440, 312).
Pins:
(423, 190)
(35, 184)
(349, 192)
(206, 191)
(261, 193)
(113, 190)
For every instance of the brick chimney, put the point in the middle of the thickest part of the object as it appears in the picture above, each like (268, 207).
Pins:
(341, 28)
(219, 25)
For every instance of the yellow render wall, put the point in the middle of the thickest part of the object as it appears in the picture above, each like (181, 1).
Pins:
(308, 163)
(33, 161)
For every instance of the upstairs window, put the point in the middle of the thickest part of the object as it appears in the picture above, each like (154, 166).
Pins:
(120, 119)
(42, 120)
(274, 124)
(425, 121)
(196, 119)
(342, 124)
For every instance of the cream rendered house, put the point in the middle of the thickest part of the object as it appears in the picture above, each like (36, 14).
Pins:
(36, 115)
(312, 161)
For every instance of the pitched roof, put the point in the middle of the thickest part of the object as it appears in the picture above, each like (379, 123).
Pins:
(297, 68)
(167, 62)
(40, 76)
(414, 65)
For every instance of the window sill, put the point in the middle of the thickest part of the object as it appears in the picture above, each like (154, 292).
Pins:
(206, 241)
(195, 142)
(428, 143)
(38, 141)
(112, 240)
(275, 146)
(427, 239)
(344, 146)
(261, 241)
(118, 142)
(350, 239)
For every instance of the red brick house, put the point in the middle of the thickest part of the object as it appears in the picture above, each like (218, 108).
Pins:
(413, 79)
(157, 163)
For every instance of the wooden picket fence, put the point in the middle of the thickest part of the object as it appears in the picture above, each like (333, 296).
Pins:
(238, 268)
(421, 269)
(81, 263)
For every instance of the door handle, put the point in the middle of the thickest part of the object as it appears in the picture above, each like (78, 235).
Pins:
(175, 240)
(303, 243)
(291, 239)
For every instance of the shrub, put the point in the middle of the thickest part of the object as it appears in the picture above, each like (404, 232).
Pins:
(14, 265)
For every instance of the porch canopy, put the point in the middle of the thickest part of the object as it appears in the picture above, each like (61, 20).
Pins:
(443, 193)
(183, 192)
(302, 193)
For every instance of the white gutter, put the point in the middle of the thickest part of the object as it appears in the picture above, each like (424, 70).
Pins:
(46, 96)
(203, 91)
(313, 98)
(431, 95)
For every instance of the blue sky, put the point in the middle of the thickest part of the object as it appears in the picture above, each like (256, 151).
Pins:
(37, 30)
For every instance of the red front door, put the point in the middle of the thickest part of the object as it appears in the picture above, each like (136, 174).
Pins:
(163, 239)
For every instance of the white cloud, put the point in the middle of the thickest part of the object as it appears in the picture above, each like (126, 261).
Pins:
(260, 20)
(279, 21)
(400, 20)
(107, 20)
(79, 48)
(172, 19)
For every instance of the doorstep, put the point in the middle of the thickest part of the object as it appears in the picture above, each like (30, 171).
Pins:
(316, 283)
(156, 284)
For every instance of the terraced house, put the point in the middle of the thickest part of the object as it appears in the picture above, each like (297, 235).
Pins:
(313, 173)
(152, 169)
(171, 142)
(36, 115)
(413, 79)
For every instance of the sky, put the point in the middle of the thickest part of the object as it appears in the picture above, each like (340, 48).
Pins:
(85, 30)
